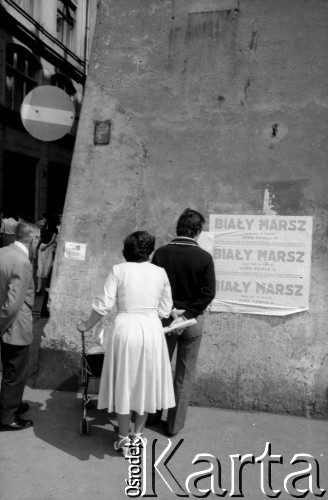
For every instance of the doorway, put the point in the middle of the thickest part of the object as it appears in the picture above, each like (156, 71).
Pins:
(19, 185)
(58, 174)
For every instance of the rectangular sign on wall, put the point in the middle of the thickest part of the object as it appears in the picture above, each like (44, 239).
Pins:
(75, 251)
(262, 263)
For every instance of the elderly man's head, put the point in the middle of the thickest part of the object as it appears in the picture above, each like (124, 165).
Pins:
(24, 233)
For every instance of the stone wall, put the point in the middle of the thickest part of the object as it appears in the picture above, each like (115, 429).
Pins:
(210, 102)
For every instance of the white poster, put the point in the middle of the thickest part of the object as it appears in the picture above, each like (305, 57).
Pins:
(75, 251)
(262, 263)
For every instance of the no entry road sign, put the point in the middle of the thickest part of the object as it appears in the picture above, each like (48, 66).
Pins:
(47, 113)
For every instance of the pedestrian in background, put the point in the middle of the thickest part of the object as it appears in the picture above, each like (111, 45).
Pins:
(41, 222)
(190, 270)
(46, 251)
(16, 302)
(8, 227)
(45, 303)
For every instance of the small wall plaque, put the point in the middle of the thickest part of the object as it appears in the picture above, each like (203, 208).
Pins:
(102, 132)
(75, 250)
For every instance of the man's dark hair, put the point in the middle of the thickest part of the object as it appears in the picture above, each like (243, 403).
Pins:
(190, 223)
(138, 246)
(24, 232)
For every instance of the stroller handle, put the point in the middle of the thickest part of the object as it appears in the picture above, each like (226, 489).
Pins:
(83, 340)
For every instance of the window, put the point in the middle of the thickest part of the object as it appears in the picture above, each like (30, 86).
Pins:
(27, 5)
(66, 23)
(22, 70)
(63, 82)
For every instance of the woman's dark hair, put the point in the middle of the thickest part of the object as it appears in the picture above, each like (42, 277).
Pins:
(190, 223)
(51, 220)
(138, 246)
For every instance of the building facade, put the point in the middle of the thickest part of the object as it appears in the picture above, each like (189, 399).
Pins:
(42, 42)
(210, 103)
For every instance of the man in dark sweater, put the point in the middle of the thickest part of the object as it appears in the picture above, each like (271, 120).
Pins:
(190, 270)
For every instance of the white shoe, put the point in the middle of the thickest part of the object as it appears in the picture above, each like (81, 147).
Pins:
(138, 436)
(123, 444)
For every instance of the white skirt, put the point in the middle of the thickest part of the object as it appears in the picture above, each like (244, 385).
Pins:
(136, 373)
(45, 260)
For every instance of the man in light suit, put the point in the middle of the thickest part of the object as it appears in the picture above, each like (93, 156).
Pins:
(16, 302)
(190, 270)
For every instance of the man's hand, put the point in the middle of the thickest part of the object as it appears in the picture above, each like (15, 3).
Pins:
(177, 320)
(178, 331)
(177, 313)
(82, 326)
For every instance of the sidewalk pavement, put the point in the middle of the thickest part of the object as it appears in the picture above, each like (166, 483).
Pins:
(53, 461)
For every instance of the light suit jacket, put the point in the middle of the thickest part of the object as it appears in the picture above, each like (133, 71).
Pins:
(16, 296)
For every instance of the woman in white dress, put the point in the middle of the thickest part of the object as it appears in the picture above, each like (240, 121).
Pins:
(136, 374)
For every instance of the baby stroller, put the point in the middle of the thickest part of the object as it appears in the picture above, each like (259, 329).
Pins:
(92, 363)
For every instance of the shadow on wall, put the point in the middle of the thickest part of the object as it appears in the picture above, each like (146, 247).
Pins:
(320, 404)
(59, 369)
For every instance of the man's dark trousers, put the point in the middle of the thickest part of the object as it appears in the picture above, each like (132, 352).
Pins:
(188, 344)
(15, 363)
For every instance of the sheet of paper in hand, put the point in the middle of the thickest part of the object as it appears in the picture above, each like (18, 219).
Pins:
(181, 324)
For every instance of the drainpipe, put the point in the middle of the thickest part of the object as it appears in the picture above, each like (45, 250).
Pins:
(86, 39)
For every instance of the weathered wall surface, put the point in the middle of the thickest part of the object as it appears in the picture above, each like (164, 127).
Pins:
(211, 102)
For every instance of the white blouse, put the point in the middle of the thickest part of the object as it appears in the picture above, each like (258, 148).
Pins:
(136, 287)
